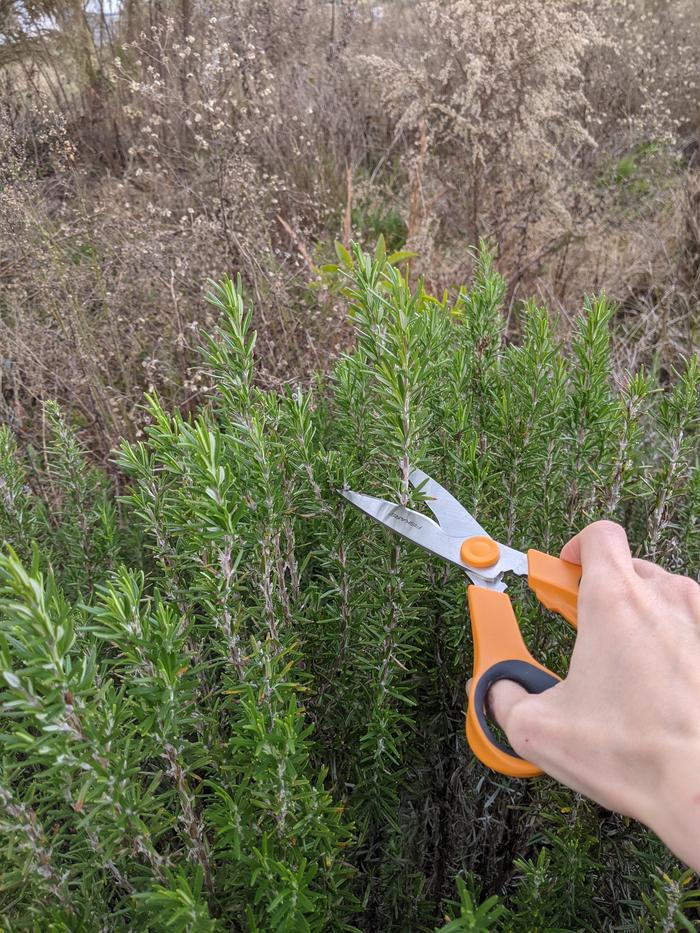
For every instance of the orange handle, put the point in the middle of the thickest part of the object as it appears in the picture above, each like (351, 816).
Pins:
(499, 654)
(555, 583)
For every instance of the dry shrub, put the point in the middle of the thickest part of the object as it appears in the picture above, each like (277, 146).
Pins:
(153, 152)
(498, 91)
(217, 163)
(548, 126)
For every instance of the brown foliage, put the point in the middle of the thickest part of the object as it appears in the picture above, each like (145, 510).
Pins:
(144, 153)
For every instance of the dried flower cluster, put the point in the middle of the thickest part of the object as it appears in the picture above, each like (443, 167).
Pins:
(142, 152)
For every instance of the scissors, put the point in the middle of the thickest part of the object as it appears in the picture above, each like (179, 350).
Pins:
(499, 650)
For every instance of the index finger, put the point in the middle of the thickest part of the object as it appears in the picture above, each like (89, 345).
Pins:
(602, 546)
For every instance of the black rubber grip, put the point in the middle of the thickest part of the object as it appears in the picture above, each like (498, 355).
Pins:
(531, 678)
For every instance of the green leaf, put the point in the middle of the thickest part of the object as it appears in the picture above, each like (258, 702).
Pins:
(400, 256)
(343, 255)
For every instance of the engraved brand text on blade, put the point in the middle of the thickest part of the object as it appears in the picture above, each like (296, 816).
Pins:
(402, 518)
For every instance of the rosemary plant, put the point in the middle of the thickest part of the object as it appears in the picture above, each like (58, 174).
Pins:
(230, 702)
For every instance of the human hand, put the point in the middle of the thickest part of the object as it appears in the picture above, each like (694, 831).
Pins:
(623, 728)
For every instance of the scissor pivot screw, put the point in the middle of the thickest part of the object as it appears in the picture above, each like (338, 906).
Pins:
(479, 551)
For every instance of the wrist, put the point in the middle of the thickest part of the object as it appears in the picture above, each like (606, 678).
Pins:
(673, 806)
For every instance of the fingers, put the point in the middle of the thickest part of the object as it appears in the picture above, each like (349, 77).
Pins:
(599, 548)
(648, 571)
(501, 699)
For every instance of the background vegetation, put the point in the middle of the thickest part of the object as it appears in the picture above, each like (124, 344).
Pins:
(147, 145)
(229, 701)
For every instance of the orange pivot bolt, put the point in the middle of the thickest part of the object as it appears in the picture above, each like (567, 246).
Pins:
(479, 551)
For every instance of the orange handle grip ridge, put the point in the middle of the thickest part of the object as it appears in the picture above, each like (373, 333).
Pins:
(499, 654)
(555, 583)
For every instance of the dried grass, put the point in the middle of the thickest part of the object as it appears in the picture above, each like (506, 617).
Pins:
(143, 155)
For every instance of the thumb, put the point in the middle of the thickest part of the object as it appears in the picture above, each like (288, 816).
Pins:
(519, 714)
(500, 700)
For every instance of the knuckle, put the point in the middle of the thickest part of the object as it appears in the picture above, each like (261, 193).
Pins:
(646, 567)
(606, 527)
(688, 583)
(608, 534)
(685, 587)
(608, 542)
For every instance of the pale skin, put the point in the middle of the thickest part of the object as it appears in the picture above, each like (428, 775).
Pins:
(623, 728)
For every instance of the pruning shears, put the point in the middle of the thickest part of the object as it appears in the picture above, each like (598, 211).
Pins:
(499, 650)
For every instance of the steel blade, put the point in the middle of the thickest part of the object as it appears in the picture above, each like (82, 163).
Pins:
(454, 519)
(409, 524)
(422, 530)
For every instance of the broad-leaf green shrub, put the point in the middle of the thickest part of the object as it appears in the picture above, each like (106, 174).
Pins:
(256, 722)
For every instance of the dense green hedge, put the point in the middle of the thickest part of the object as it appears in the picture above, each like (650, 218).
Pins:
(231, 702)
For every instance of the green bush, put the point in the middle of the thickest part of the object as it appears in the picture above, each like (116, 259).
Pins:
(231, 702)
